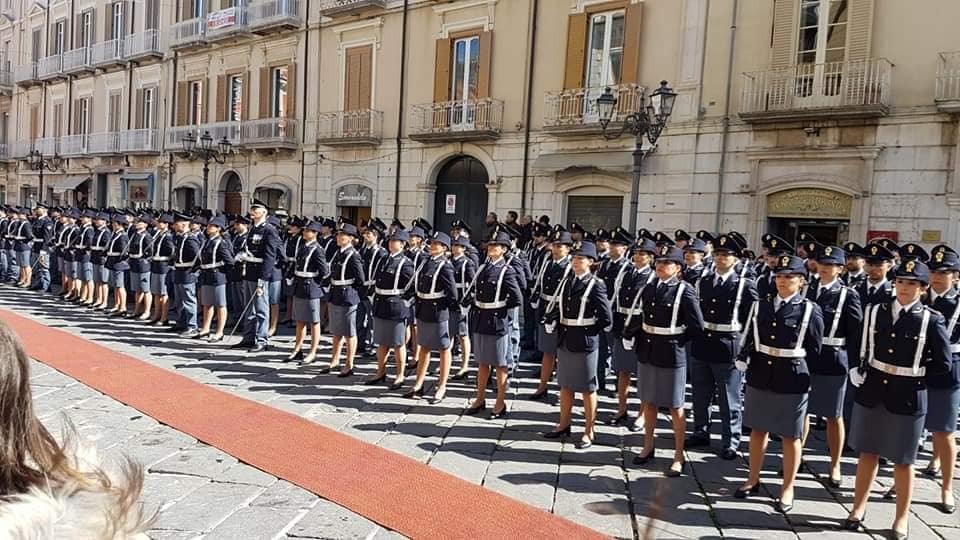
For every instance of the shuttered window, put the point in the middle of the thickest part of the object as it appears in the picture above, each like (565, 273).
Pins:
(35, 46)
(114, 113)
(151, 15)
(58, 120)
(603, 45)
(34, 122)
(594, 212)
(463, 66)
(235, 98)
(358, 77)
(819, 31)
(195, 103)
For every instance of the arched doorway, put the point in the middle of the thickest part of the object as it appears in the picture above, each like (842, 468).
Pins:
(185, 198)
(461, 194)
(275, 198)
(824, 213)
(232, 193)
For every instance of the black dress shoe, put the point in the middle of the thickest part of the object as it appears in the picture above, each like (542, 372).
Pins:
(930, 473)
(375, 380)
(618, 419)
(835, 483)
(583, 444)
(697, 440)
(853, 525)
(676, 473)
(784, 508)
(475, 409)
(257, 348)
(948, 508)
(565, 432)
(396, 386)
(728, 454)
(536, 396)
(890, 494)
(643, 460)
(742, 493)
(461, 375)
(298, 356)
(190, 334)
(897, 535)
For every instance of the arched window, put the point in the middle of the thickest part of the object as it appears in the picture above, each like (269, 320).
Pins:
(275, 198)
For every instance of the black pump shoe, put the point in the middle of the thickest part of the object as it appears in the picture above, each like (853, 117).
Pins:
(565, 432)
(742, 493)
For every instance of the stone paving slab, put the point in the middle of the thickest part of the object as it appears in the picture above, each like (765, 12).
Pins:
(506, 455)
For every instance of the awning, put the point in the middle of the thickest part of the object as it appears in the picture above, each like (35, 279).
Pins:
(66, 183)
(137, 176)
(609, 161)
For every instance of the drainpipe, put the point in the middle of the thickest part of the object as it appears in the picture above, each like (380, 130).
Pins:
(528, 105)
(303, 113)
(400, 109)
(726, 116)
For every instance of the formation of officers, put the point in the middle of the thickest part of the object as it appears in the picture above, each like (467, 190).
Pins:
(863, 339)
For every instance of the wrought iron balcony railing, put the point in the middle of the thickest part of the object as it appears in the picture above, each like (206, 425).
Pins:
(457, 120)
(574, 111)
(345, 128)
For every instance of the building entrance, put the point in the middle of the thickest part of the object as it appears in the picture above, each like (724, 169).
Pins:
(827, 232)
(822, 213)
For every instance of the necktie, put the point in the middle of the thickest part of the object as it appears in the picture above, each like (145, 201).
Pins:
(661, 288)
(872, 291)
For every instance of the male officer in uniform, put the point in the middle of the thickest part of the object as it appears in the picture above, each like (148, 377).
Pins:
(40, 251)
(855, 275)
(260, 258)
(876, 289)
(611, 272)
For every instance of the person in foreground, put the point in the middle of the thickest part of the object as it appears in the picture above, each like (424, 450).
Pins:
(50, 490)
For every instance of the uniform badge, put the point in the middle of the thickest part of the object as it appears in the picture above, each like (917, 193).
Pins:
(827, 251)
(773, 243)
(910, 248)
(910, 266)
(873, 250)
(723, 240)
(938, 257)
(785, 260)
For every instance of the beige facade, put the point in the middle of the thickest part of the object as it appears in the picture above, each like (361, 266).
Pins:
(842, 125)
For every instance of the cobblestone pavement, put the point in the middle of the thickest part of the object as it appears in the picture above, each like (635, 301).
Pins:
(204, 491)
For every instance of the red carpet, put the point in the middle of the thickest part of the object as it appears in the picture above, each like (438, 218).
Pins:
(381, 485)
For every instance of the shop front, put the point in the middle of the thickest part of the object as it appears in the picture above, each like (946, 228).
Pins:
(354, 201)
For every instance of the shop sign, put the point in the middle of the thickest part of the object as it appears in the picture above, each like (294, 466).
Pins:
(354, 195)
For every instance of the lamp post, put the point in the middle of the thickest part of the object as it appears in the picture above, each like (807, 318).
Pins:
(38, 162)
(203, 149)
(648, 122)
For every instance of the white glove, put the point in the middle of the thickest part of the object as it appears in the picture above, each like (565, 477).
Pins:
(627, 343)
(550, 327)
(857, 377)
(408, 302)
(464, 311)
(289, 282)
(535, 304)
(741, 366)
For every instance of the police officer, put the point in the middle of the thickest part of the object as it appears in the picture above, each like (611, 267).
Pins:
(464, 272)
(671, 318)
(842, 320)
(944, 387)
(65, 240)
(495, 291)
(773, 248)
(903, 340)
(579, 317)
(545, 294)
(371, 252)
(22, 246)
(163, 249)
(347, 282)
(138, 255)
(612, 270)
(186, 252)
(43, 230)
(116, 263)
(726, 296)
(876, 289)
(783, 332)
(98, 258)
(308, 274)
(693, 253)
(291, 247)
(855, 274)
(394, 276)
(215, 260)
(259, 256)
(237, 272)
(436, 294)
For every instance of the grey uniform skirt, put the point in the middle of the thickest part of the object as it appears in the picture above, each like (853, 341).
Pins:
(780, 414)
(23, 258)
(140, 282)
(158, 284)
(433, 336)
(388, 333)
(826, 395)
(577, 371)
(662, 387)
(101, 274)
(875, 430)
(306, 310)
(273, 291)
(491, 350)
(623, 360)
(546, 343)
(86, 271)
(213, 295)
(342, 320)
(943, 405)
(70, 269)
(117, 279)
(458, 324)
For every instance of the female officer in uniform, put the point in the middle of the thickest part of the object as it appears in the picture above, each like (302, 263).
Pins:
(782, 332)
(216, 257)
(307, 274)
(464, 271)
(546, 288)
(346, 280)
(582, 310)
(492, 294)
(159, 267)
(671, 317)
(843, 326)
(902, 341)
(116, 263)
(626, 308)
(394, 276)
(944, 387)
(436, 293)
(141, 246)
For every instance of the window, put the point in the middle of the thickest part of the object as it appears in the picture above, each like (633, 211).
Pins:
(86, 28)
(195, 111)
(466, 69)
(358, 78)
(4, 126)
(148, 105)
(117, 14)
(83, 116)
(605, 49)
(199, 8)
(152, 15)
(235, 89)
(273, 197)
(278, 92)
(59, 34)
(58, 120)
(821, 47)
(114, 113)
(6, 56)
(35, 46)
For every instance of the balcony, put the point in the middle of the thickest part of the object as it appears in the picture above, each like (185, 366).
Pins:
(4, 152)
(856, 89)
(350, 128)
(6, 82)
(105, 143)
(345, 8)
(947, 95)
(72, 145)
(20, 149)
(77, 61)
(573, 112)
(50, 68)
(26, 74)
(227, 23)
(268, 16)
(47, 145)
(106, 54)
(189, 33)
(270, 133)
(174, 136)
(140, 141)
(481, 119)
(142, 46)
(217, 130)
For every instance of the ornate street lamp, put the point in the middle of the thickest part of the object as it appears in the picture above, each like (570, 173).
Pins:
(648, 122)
(204, 150)
(38, 162)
